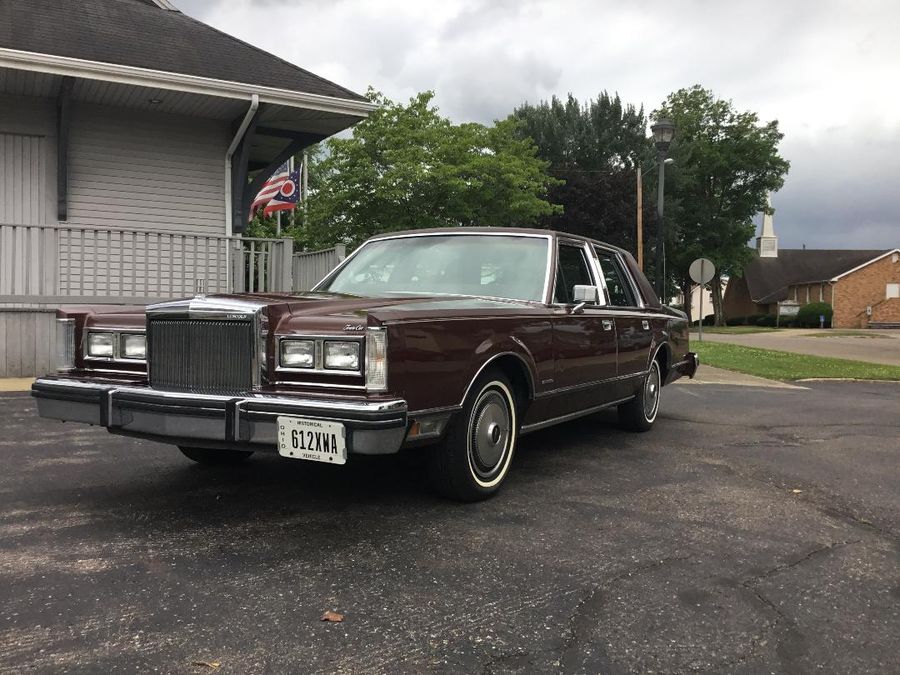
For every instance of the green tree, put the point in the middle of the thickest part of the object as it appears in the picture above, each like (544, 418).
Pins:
(595, 148)
(407, 167)
(726, 163)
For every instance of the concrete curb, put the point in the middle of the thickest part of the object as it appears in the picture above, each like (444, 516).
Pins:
(15, 384)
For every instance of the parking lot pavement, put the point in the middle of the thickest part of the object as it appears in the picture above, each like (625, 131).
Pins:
(753, 530)
(874, 346)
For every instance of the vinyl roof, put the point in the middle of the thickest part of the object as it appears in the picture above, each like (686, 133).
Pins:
(142, 34)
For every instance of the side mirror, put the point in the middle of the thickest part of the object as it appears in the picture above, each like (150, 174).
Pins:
(583, 295)
(586, 294)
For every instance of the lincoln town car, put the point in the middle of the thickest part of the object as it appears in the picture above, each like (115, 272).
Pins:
(453, 343)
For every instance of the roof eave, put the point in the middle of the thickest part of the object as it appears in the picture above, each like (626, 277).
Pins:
(160, 79)
(865, 264)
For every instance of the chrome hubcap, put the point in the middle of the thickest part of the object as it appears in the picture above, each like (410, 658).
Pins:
(651, 392)
(489, 434)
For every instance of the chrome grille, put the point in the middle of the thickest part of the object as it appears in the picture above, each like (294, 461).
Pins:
(201, 355)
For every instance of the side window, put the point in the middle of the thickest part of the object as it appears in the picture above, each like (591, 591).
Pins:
(572, 270)
(620, 292)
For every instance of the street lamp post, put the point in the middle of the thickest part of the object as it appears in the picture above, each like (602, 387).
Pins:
(663, 133)
(640, 212)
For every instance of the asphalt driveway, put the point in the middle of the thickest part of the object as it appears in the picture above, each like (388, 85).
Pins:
(753, 530)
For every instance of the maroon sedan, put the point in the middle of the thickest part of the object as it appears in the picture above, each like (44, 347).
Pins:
(456, 340)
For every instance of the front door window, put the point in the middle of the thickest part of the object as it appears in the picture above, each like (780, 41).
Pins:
(572, 270)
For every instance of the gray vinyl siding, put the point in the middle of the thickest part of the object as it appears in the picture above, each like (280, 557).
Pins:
(144, 171)
(23, 167)
(27, 342)
(27, 160)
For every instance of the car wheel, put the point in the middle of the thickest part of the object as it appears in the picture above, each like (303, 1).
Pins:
(472, 461)
(214, 456)
(640, 413)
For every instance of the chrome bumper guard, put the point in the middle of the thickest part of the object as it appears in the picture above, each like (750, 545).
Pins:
(201, 420)
(687, 367)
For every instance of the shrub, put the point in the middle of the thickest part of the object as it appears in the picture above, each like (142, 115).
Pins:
(709, 320)
(808, 316)
(753, 318)
(767, 321)
(735, 321)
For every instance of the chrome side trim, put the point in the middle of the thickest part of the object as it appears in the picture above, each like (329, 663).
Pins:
(141, 373)
(528, 428)
(586, 385)
(431, 411)
(324, 385)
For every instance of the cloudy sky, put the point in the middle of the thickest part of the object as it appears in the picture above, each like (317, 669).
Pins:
(827, 70)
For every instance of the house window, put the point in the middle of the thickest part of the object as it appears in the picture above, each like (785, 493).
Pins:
(893, 291)
(821, 292)
(807, 295)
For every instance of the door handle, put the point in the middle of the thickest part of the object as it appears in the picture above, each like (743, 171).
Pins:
(607, 324)
(645, 324)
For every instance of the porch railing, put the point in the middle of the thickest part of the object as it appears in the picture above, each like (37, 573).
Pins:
(49, 264)
(309, 268)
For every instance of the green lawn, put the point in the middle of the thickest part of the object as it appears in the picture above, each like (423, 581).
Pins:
(776, 365)
(734, 330)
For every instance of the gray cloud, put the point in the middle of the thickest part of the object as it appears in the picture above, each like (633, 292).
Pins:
(826, 69)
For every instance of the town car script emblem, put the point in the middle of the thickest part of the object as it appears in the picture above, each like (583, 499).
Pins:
(355, 328)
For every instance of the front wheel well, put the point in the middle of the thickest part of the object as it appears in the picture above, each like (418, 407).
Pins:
(519, 377)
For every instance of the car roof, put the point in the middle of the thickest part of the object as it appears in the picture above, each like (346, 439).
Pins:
(554, 234)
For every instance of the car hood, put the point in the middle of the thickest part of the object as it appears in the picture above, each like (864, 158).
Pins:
(320, 309)
(325, 312)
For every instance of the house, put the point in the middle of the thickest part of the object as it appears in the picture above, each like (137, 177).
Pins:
(701, 301)
(862, 286)
(132, 141)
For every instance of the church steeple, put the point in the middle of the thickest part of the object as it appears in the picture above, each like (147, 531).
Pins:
(767, 242)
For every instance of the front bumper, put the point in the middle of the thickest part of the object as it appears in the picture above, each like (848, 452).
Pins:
(201, 420)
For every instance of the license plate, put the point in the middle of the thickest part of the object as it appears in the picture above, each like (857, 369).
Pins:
(315, 440)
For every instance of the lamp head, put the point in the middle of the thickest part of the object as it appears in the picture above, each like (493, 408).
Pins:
(663, 133)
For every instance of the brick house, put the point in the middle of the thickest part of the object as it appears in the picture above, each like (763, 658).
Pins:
(862, 286)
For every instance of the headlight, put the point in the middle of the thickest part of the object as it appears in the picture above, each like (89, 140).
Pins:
(376, 360)
(100, 344)
(298, 353)
(342, 355)
(134, 347)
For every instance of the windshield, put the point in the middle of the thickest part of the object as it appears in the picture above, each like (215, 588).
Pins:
(487, 265)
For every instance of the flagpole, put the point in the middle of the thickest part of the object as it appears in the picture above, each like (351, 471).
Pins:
(305, 183)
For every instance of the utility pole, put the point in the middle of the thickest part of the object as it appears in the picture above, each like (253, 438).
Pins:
(640, 218)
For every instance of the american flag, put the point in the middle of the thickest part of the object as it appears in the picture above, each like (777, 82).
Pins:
(287, 196)
(270, 188)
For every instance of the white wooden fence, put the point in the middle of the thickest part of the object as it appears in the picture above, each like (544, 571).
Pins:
(311, 267)
(50, 264)
(45, 266)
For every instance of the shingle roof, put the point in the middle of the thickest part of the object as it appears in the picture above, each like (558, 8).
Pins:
(768, 279)
(141, 34)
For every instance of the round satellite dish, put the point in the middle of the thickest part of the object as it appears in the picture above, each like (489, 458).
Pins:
(702, 270)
